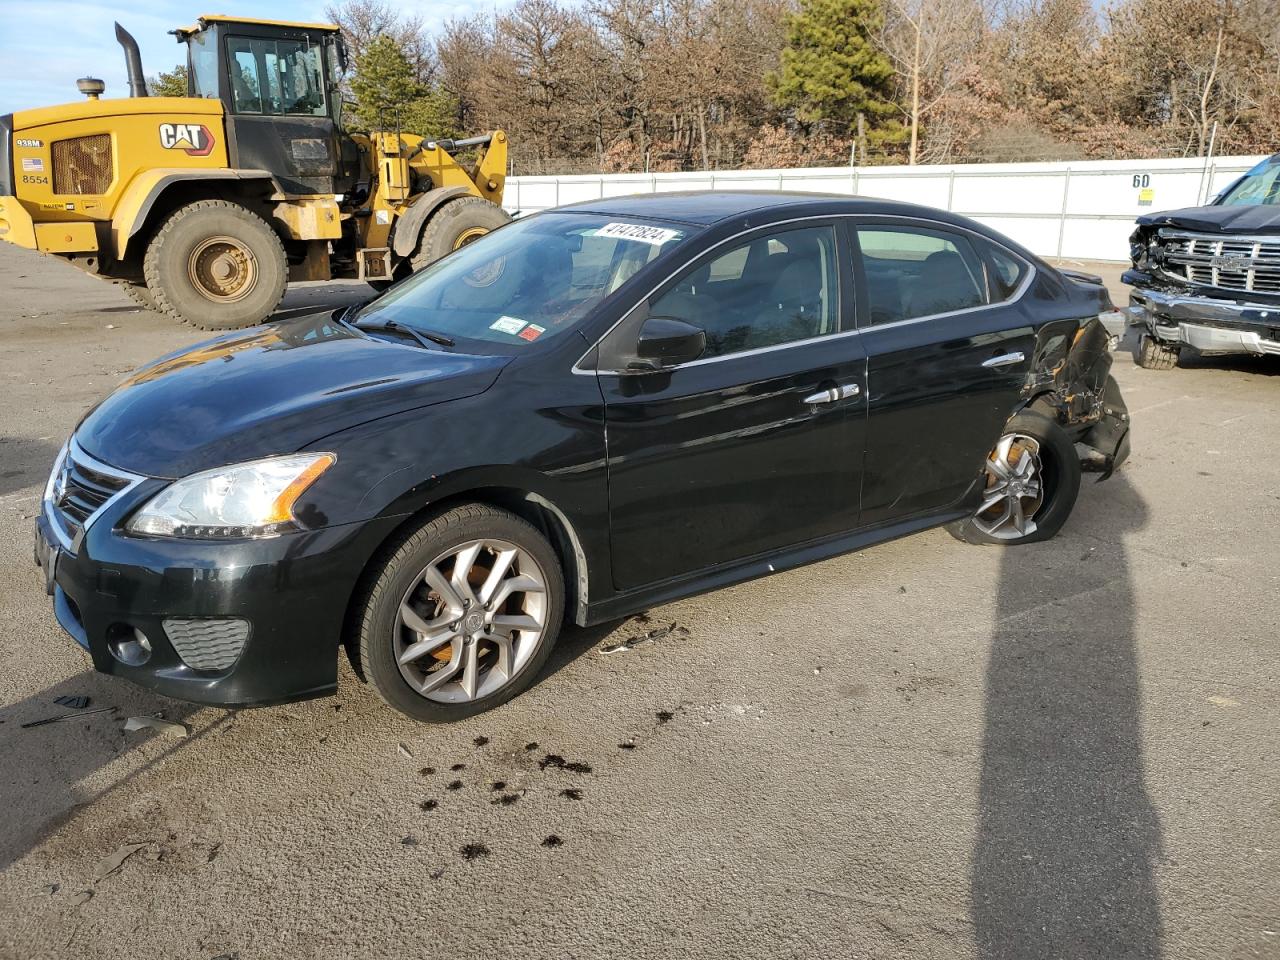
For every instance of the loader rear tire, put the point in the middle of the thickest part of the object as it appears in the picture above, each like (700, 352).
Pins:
(216, 265)
(139, 294)
(455, 225)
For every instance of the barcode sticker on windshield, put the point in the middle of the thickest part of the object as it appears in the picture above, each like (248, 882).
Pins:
(507, 325)
(639, 232)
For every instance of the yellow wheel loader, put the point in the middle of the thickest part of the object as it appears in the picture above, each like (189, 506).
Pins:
(204, 207)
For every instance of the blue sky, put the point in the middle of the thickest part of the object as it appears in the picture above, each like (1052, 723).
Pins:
(45, 45)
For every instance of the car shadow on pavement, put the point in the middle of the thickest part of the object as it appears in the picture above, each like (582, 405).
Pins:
(26, 463)
(51, 770)
(1068, 839)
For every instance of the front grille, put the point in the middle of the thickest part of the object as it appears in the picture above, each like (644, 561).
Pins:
(82, 488)
(1244, 264)
(212, 644)
(82, 165)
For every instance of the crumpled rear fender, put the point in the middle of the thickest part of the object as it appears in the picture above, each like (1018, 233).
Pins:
(1070, 380)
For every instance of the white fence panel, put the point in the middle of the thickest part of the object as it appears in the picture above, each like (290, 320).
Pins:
(1081, 210)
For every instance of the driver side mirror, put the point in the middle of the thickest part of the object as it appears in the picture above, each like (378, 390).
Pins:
(666, 342)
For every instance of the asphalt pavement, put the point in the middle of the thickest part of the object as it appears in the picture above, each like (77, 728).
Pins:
(921, 750)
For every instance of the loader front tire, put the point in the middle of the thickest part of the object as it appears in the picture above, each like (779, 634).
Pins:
(455, 225)
(216, 265)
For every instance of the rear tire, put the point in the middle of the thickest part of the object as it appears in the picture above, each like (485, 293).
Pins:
(1150, 354)
(414, 624)
(454, 225)
(139, 294)
(1044, 509)
(216, 266)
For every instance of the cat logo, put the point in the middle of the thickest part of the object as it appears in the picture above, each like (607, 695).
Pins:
(194, 139)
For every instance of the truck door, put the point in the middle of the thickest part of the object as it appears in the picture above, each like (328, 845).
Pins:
(280, 118)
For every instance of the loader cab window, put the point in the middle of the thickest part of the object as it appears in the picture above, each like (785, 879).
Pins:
(276, 77)
(202, 66)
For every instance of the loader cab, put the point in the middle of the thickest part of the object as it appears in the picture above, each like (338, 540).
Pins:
(278, 83)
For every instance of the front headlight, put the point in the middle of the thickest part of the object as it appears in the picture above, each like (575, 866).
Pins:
(52, 484)
(252, 499)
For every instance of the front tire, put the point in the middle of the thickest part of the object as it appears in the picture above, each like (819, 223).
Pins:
(1151, 354)
(1032, 479)
(461, 614)
(454, 225)
(216, 265)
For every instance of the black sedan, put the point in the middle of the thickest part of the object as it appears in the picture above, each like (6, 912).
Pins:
(593, 410)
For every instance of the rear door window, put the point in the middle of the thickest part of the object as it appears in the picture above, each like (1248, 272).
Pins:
(914, 272)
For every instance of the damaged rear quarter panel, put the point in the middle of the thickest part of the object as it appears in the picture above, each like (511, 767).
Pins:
(1070, 381)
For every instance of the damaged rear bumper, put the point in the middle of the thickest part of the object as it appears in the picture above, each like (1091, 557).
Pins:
(1214, 327)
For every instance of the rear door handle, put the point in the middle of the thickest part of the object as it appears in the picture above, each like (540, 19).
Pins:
(832, 394)
(1004, 359)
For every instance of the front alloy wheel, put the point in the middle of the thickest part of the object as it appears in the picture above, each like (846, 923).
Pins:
(471, 621)
(460, 614)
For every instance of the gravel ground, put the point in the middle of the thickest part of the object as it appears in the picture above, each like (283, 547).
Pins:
(924, 749)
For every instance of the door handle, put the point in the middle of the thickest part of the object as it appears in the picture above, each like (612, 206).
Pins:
(1004, 359)
(832, 394)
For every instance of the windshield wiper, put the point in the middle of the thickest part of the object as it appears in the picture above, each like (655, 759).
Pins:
(424, 337)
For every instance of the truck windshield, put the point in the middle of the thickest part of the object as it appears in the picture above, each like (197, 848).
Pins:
(531, 280)
(1260, 186)
(203, 71)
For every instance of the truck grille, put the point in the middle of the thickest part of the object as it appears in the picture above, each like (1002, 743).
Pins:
(1245, 264)
(82, 488)
(82, 165)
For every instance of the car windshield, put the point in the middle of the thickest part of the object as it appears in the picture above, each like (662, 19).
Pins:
(1260, 186)
(529, 281)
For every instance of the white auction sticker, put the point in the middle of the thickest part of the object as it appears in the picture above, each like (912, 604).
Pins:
(638, 231)
(510, 325)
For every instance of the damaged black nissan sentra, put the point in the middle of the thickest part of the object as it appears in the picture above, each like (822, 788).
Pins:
(593, 410)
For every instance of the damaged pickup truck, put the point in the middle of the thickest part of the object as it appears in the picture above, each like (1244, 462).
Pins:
(1208, 277)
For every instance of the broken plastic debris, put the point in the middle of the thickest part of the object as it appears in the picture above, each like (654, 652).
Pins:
(155, 723)
(78, 703)
(110, 864)
(632, 642)
(405, 752)
(66, 716)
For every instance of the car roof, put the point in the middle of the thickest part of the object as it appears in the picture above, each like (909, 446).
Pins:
(706, 207)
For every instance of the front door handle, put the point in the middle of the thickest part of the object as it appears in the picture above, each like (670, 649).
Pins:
(832, 394)
(1004, 359)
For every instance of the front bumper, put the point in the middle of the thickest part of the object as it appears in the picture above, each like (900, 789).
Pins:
(292, 590)
(1214, 327)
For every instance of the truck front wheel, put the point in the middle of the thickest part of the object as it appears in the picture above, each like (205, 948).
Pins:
(216, 266)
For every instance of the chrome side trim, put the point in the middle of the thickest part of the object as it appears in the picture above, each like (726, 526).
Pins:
(937, 224)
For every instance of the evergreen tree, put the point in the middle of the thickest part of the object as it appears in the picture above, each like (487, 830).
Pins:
(832, 69)
(171, 84)
(387, 92)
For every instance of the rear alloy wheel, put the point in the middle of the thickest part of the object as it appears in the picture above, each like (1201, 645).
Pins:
(216, 265)
(1031, 481)
(1151, 354)
(462, 614)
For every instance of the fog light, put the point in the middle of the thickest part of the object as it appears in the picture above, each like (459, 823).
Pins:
(129, 645)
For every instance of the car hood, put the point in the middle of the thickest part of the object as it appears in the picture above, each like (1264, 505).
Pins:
(269, 390)
(1218, 219)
